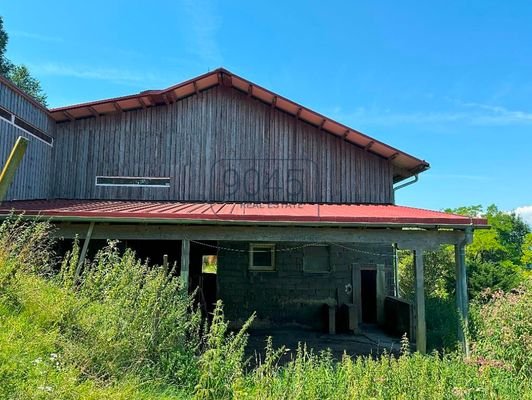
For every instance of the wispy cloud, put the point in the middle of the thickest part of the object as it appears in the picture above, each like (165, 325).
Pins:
(465, 113)
(204, 23)
(466, 177)
(36, 36)
(526, 213)
(115, 75)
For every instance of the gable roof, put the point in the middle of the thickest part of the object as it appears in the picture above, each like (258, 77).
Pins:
(405, 164)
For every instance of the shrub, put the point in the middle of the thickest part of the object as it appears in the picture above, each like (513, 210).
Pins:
(503, 328)
(121, 324)
(132, 318)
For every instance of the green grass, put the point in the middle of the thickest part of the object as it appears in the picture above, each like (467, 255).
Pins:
(126, 331)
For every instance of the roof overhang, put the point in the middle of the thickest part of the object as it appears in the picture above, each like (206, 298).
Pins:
(256, 214)
(405, 164)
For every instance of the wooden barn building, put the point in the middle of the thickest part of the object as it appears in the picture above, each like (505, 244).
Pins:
(293, 211)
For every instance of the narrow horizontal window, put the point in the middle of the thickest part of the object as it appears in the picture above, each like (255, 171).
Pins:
(262, 257)
(5, 114)
(135, 181)
(29, 129)
(33, 131)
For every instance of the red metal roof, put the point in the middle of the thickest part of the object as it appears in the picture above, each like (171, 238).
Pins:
(260, 213)
(405, 164)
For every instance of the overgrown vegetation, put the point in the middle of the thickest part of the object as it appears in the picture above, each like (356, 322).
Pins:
(498, 259)
(123, 330)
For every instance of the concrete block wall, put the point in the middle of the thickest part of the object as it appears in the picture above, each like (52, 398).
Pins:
(289, 295)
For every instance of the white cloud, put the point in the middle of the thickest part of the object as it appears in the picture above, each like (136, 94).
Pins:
(116, 75)
(464, 113)
(36, 36)
(467, 177)
(204, 24)
(526, 213)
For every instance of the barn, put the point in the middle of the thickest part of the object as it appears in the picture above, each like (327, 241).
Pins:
(257, 200)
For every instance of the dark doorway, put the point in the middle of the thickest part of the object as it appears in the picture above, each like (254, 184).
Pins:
(203, 277)
(368, 295)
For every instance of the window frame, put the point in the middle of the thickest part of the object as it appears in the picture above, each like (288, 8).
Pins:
(261, 268)
(165, 179)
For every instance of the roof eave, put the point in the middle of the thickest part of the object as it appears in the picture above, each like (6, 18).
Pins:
(251, 222)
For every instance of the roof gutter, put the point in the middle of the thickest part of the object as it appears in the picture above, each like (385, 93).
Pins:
(416, 178)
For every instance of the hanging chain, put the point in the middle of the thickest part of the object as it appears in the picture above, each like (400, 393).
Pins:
(289, 249)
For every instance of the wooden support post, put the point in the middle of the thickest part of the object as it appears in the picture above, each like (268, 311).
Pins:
(83, 253)
(354, 316)
(185, 261)
(462, 301)
(331, 314)
(397, 287)
(421, 327)
(11, 165)
(381, 293)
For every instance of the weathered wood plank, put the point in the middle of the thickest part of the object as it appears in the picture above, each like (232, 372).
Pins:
(187, 139)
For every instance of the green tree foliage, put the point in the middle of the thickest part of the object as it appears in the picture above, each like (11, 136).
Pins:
(497, 259)
(5, 64)
(18, 74)
(494, 257)
(526, 258)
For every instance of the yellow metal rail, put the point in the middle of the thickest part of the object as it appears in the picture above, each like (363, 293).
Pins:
(11, 165)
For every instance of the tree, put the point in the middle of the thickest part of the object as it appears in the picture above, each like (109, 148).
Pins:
(19, 74)
(497, 258)
(5, 64)
(526, 258)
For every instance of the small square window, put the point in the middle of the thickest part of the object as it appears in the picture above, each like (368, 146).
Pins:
(262, 257)
(316, 259)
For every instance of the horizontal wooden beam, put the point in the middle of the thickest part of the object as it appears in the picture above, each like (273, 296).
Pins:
(405, 239)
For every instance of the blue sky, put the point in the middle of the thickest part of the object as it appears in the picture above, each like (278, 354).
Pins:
(449, 82)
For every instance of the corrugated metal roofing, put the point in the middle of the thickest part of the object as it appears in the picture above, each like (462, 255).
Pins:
(252, 213)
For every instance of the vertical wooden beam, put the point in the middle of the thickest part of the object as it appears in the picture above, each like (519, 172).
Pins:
(185, 261)
(462, 301)
(331, 314)
(83, 253)
(396, 279)
(421, 326)
(381, 292)
(354, 316)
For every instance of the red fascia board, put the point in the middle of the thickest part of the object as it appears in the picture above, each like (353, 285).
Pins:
(136, 95)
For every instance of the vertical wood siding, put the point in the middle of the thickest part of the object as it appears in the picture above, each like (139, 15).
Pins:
(199, 141)
(33, 178)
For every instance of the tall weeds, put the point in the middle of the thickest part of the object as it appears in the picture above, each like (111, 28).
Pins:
(125, 330)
